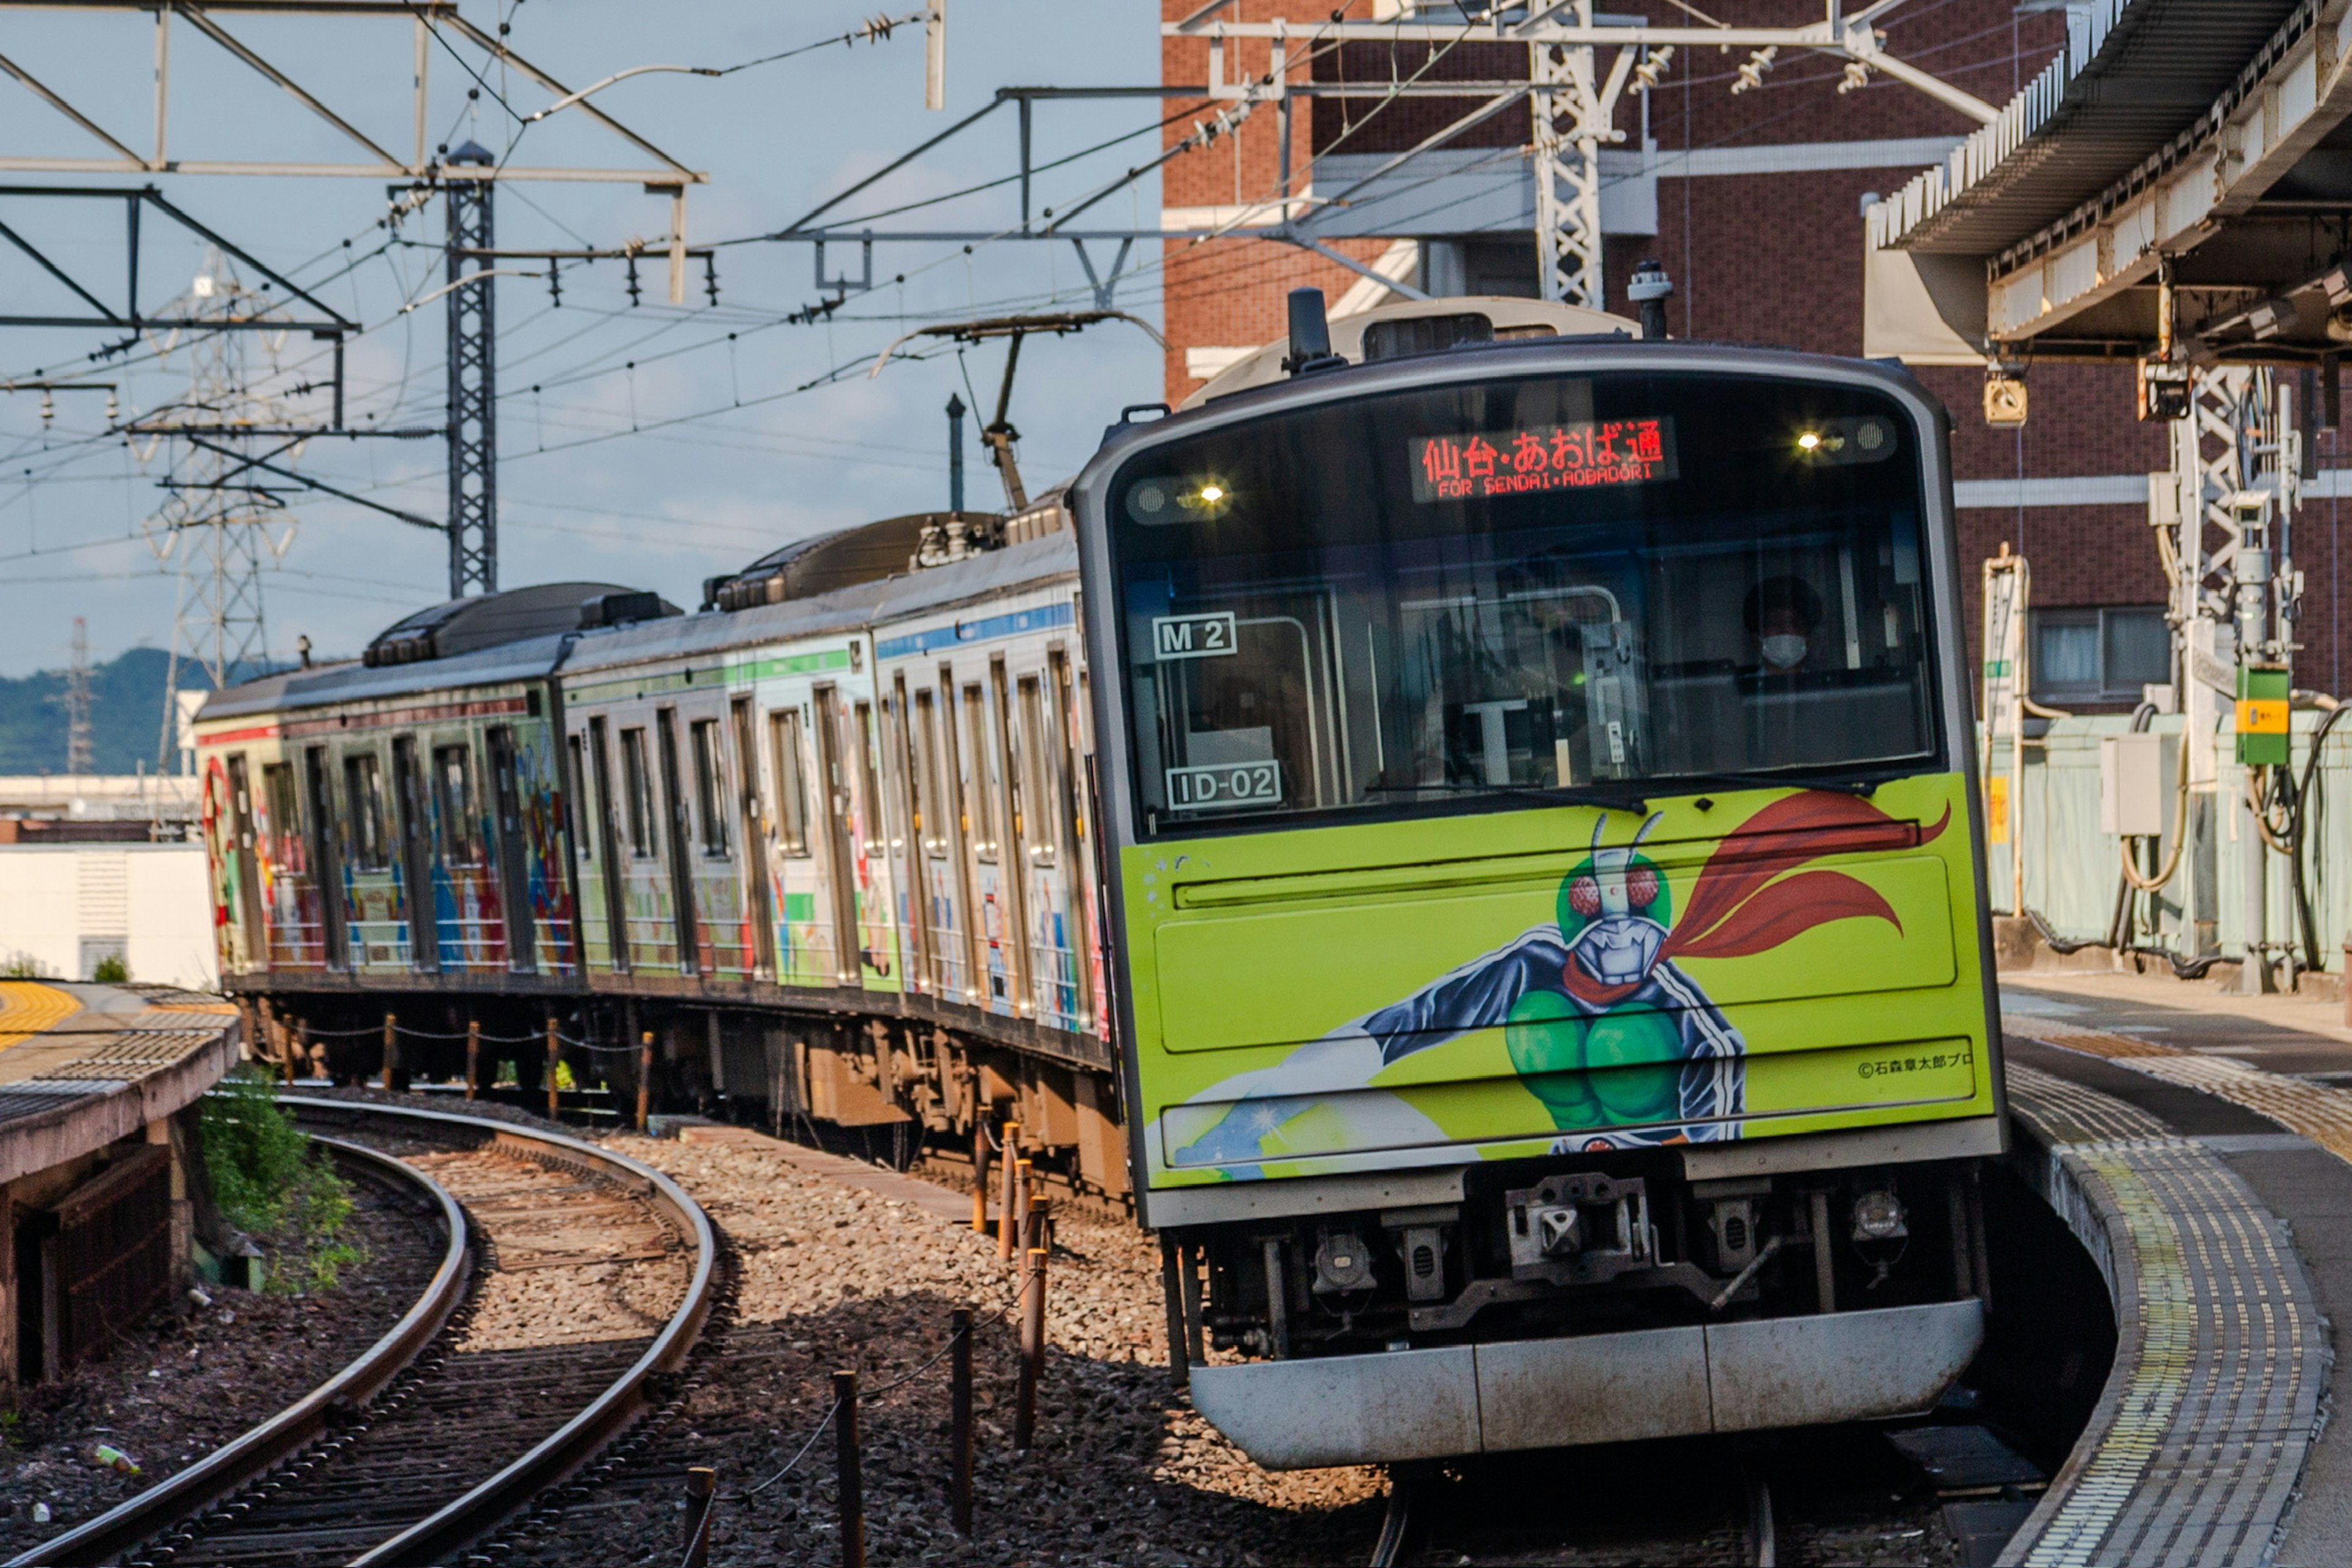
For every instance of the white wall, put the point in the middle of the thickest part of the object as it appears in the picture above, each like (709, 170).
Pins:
(62, 905)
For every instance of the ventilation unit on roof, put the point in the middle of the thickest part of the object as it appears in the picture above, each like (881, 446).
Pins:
(1415, 335)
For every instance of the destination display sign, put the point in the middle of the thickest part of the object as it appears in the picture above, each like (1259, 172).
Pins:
(1544, 458)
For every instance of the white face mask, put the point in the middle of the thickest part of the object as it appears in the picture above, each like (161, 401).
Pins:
(1784, 651)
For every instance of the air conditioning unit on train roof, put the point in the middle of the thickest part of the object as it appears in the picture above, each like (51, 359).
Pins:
(1413, 327)
(544, 609)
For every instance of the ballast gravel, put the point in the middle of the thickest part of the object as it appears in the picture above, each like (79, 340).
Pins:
(829, 1276)
(189, 1380)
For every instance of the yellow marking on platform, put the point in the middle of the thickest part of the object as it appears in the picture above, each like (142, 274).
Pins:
(2320, 1113)
(27, 1007)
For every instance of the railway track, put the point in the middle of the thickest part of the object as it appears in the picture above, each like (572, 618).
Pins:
(573, 1279)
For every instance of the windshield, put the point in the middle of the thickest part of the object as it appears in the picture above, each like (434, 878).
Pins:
(1430, 599)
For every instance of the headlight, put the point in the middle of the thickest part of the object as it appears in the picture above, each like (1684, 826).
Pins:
(1878, 1216)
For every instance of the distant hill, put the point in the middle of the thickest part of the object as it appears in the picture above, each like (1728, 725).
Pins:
(126, 713)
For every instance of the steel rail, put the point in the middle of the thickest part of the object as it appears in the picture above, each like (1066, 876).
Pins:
(230, 1467)
(559, 1454)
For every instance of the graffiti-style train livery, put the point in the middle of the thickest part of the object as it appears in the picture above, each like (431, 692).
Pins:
(1493, 874)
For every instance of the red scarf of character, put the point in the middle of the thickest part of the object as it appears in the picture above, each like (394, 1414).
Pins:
(1737, 908)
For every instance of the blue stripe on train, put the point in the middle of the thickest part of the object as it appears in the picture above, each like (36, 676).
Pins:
(1037, 620)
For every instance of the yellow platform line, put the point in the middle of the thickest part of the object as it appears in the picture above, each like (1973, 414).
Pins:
(27, 1007)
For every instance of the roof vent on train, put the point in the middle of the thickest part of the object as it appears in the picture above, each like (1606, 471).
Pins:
(465, 626)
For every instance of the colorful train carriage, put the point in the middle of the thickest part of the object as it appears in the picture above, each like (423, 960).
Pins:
(397, 824)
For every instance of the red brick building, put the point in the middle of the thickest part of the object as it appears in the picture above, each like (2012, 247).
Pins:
(1754, 204)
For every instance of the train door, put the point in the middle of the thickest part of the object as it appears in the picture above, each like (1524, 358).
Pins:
(513, 860)
(318, 836)
(1065, 699)
(681, 869)
(1051, 854)
(950, 853)
(805, 957)
(996, 937)
(876, 923)
(752, 830)
(906, 862)
(471, 928)
(1012, 788)
(841, 872)
(415, 863)
(249, 867)
(608, 847)
(719, 901)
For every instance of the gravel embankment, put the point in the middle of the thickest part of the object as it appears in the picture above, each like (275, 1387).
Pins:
(831, 1277)
(181, 1386)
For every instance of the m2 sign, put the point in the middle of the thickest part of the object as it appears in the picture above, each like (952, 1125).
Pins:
(1192, 637)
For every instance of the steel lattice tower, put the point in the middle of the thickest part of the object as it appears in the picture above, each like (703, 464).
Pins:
(1567, 166)
(80, 749)
(217, 519)
(473, 385)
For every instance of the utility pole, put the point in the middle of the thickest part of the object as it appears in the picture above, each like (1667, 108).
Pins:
(955, 453)
(473, 413)
(79, 751)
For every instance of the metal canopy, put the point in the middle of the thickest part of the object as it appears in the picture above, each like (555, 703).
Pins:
(2203, 142)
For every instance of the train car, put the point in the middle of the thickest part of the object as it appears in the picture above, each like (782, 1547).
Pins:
(395, 821)
(1553, 991)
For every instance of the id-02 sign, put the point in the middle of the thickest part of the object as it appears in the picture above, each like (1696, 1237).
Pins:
(1225, 783)
(1546, 457)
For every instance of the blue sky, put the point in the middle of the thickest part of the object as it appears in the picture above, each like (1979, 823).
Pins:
(694, 460)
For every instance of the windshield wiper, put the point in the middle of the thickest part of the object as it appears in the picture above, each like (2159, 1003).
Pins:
(1573, 795)
(1863, 788)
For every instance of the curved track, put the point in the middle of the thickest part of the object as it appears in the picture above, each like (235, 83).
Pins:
(573, 1279)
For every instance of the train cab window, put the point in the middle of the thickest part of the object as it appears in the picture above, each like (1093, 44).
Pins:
(930, 808)
(1526, 585)
(709, 788)
(792, 781)
(1040, 775)
(457, 805)
(370, 843)
(637, 781)
(980, 782)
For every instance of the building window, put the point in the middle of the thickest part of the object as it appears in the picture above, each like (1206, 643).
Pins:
(2099, 654)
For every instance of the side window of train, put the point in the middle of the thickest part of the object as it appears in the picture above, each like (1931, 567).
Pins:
(637, 783)
(980, 784)
(370, 843)
(930, 807)
(710, 789)
(285, 826)
(461, 823)
(792, 781)
(575, 780)
(1042, 776)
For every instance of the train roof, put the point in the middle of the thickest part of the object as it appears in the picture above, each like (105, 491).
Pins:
(530, 658)
(1033, 563)
(467, 625)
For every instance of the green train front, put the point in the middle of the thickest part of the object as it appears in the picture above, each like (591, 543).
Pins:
(1553, 984)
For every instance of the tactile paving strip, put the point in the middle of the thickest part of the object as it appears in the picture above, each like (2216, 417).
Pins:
(2193, 1454)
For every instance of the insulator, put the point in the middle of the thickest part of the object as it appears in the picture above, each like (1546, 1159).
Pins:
(49, 408)
(1646, 74)
(1857, 76)
(1751, 74)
